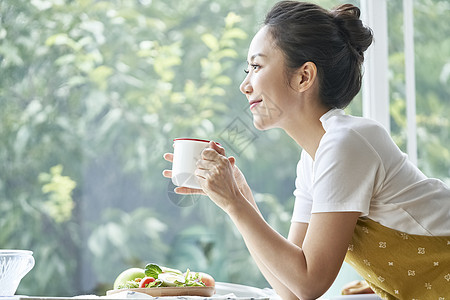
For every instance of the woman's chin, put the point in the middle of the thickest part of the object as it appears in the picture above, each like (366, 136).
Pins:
(261, 125)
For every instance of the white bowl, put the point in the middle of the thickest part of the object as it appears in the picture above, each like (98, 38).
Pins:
(14, 265)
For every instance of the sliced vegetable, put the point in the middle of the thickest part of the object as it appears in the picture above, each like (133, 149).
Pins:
(146, 282)
(192, 278)
(172, 279)
(170, 270)
(131, 284)
(128, 275)
(207, 279)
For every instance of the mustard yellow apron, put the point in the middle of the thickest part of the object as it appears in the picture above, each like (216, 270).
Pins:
(398, 265)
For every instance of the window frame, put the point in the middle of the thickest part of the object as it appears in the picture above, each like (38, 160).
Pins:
(375, 91)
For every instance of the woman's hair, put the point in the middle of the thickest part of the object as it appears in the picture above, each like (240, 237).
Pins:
(334, 41)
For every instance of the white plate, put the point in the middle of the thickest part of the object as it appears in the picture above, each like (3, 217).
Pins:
(239, 290)
(357, 297)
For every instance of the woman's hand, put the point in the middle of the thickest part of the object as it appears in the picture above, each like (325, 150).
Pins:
(238, 176)
(179, 189)
(216, 174)
(357, 287)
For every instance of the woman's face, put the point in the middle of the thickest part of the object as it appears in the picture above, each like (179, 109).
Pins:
(266, 86)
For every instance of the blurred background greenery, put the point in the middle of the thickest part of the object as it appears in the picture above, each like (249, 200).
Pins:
(92, 94)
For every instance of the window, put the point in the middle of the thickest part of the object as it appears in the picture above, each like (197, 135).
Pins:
(423, 76)
(92, 94)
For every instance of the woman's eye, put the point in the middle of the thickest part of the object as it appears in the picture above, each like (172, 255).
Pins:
(254, 67)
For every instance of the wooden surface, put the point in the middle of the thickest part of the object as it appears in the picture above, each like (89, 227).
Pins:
(205, 291)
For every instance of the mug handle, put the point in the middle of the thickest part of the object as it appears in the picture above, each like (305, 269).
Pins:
(30, 265)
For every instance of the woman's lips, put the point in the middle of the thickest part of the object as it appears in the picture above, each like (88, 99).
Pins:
(254, 103)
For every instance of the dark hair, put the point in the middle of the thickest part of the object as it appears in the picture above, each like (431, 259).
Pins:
(334, 41)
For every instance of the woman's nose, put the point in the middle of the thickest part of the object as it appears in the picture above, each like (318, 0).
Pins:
(245, 87)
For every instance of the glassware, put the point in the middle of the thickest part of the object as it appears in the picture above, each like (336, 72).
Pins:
(14, 265)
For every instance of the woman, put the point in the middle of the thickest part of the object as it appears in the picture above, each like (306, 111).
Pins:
(357, 196)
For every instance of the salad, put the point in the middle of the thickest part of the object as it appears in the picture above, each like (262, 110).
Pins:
(158, 276)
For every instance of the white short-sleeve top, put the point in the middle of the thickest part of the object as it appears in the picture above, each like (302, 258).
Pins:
(358, 167)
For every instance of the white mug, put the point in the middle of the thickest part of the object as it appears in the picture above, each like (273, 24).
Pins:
(186, 153)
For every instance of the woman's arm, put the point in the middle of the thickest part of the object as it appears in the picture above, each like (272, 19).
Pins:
(304, 265)
(296, 235)
(307, 269)
(277, 285)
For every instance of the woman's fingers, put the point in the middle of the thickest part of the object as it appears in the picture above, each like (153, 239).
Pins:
(210, 167)
(180, 190)
(201, 173)
(213, 169)
(217, 147)
(167, 173)
(210, 154)
(211, 160)
(357, 287)
(168, 157)
(232, 160)
(188, 191)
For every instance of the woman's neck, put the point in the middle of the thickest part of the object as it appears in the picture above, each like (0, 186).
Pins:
(307, 130)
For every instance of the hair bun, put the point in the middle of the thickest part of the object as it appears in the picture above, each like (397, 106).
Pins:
(346, 17)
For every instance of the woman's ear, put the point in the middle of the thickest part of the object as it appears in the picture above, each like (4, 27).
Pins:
(305, 76)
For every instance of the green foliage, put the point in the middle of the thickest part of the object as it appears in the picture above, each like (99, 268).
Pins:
(59, 205)
(432, 62)
(136, 238)
(96, 85)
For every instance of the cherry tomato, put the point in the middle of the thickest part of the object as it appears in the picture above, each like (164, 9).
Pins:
(146, 281)
(207, 279)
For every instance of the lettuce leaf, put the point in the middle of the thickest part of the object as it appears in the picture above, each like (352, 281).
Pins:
(152, 270)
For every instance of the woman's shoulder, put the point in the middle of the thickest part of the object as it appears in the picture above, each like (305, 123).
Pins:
(353, 124)
(357, 131)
